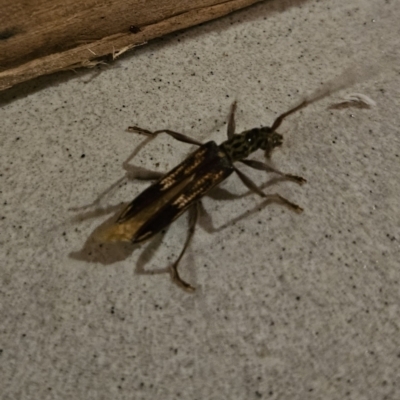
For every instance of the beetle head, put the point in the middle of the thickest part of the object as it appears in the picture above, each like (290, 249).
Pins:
(272, 140)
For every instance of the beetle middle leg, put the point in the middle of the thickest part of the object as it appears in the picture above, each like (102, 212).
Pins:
(266, 167)
(193, 215)
(274, 197)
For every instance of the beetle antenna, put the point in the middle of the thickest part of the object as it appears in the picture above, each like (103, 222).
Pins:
(347, 78)
(279, 120)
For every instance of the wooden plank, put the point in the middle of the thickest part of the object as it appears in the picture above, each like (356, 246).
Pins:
(45, 36)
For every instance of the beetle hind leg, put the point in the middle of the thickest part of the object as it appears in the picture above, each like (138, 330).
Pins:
(194, 211)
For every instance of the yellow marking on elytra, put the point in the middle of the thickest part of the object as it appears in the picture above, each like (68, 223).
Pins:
(170, 179)
(199, 156)
(126, 231)
(197, 188)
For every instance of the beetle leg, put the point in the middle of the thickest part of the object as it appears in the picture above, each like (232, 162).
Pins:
(266, 167)
(176, 135)
(231, 122)
(273, 197)
(194, 212)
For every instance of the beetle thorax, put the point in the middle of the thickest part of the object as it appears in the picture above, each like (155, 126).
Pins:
(242, 145)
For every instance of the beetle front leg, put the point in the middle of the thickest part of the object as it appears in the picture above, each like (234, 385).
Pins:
(176, 135)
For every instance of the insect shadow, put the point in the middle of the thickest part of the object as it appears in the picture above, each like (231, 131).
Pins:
(354, 100)
(111, 252)
(182, 188)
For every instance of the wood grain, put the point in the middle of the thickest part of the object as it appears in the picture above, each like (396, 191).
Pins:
(45, 36)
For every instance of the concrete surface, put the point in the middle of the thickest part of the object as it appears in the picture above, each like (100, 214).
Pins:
(287, 306)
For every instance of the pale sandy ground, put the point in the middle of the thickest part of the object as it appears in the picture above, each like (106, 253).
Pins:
(287, 306)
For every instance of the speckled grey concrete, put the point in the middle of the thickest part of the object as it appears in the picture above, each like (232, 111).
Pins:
(287, 306)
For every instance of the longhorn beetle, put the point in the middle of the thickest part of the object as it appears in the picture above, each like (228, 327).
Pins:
(182, 188)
